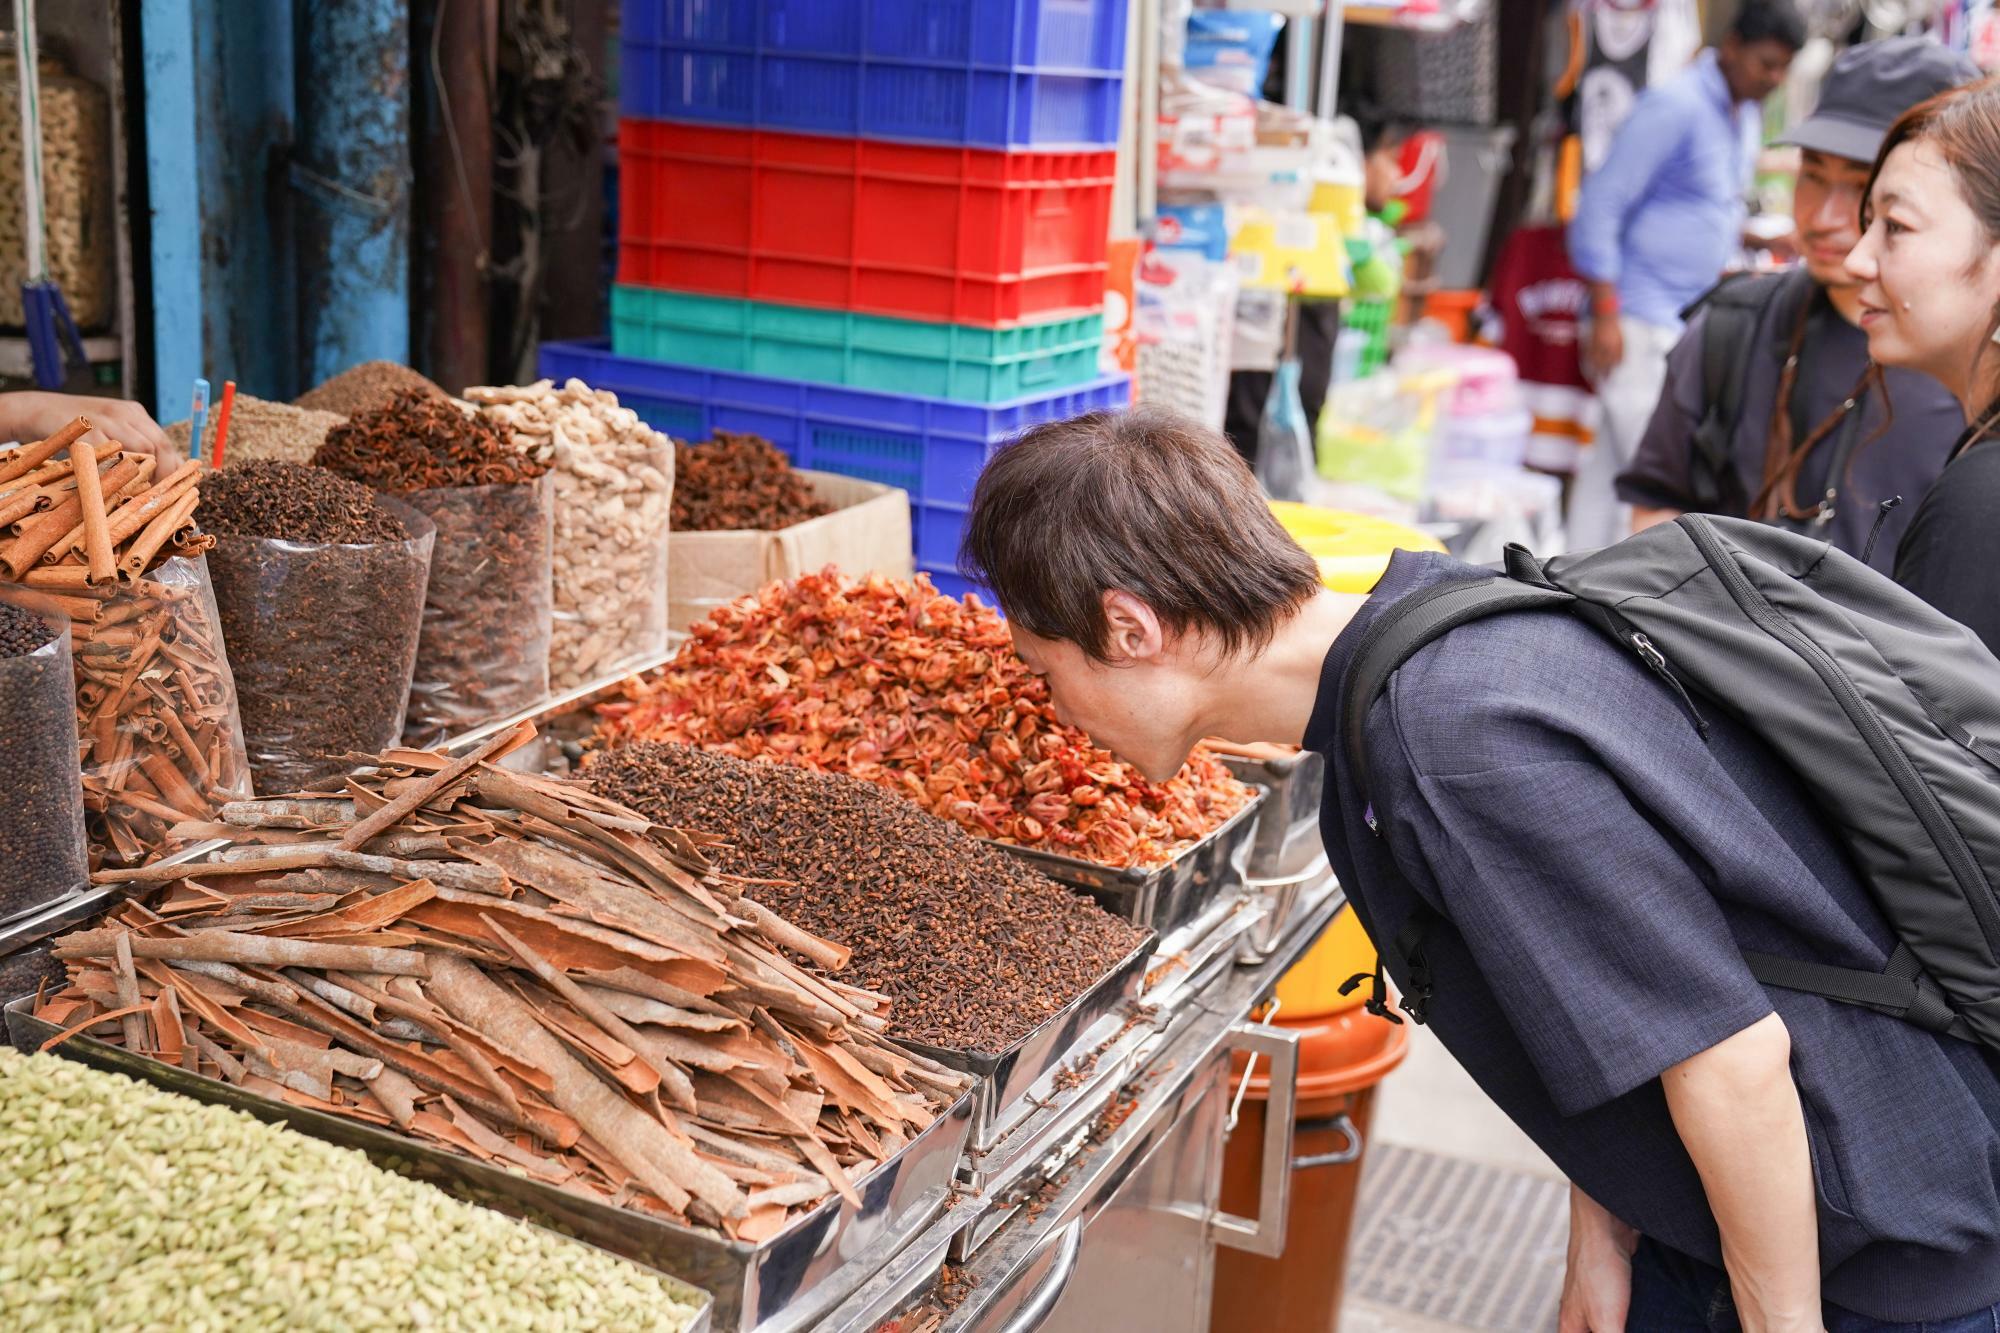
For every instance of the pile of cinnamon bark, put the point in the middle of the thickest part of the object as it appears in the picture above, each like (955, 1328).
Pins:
(517, 970)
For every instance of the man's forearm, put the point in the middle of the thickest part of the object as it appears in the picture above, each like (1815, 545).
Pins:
(1737, 1110)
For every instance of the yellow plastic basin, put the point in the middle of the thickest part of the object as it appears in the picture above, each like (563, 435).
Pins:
(1352, 549)
(1312, 988)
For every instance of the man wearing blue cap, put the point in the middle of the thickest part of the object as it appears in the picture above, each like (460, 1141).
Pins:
(1771, 409)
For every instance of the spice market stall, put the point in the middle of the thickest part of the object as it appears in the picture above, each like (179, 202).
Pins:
(811, 962)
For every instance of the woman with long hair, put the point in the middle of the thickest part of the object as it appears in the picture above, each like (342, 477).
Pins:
(1929, 268)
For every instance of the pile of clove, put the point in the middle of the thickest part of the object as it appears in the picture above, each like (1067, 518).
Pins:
(514, 969)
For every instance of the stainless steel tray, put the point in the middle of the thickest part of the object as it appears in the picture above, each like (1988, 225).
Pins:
(1011, 1080)
(553, 750)
(1163, 897)
(1287, 841)
(785, 1282)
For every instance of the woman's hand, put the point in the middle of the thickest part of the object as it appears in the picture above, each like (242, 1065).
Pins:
(35, 415)
(1597, 1286)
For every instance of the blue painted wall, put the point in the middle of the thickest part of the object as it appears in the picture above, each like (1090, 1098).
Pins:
(278, 184)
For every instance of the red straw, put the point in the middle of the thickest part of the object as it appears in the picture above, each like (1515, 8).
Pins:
(222, 421)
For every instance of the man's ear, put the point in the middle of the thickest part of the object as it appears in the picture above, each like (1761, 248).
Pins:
(1133, 633)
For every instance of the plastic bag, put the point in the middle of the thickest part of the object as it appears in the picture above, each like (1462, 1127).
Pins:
(1284, 443)
(159, 733)
(323, 641)
(614, 484)
(41, 839)
(611, 572)
(1378, 431)
(484, 650)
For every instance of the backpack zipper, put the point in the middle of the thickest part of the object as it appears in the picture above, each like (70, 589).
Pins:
(1923, 801)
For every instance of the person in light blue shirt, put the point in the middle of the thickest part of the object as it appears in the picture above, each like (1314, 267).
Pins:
(1654, 226)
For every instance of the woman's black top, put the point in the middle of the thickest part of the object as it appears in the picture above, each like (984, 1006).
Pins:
(1950, 553)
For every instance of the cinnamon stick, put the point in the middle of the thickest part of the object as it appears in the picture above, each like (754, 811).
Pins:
(222, 946)
(660, 1162)
(147, 544)
(29, 456)
(96, 526)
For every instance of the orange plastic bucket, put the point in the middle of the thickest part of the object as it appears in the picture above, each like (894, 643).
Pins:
(1342, 1057)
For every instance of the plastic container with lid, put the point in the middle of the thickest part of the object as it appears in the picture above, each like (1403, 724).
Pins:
(1352, 549)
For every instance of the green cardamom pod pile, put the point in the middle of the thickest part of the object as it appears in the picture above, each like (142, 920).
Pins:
(125, 1207)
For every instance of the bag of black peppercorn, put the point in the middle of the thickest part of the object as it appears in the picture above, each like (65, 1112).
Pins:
(41, 790)
(320, 582)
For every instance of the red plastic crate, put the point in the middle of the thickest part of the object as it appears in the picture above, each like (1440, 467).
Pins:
(962, 235)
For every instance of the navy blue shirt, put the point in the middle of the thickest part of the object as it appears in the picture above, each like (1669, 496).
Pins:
(1600, 870)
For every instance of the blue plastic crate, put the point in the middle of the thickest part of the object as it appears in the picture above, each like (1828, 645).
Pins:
(985, 73)
(933, 448)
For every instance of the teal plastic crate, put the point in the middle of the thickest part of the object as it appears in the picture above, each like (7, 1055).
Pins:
(905, 356)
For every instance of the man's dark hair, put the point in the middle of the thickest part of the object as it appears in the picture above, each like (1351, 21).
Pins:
(1770, 21)
(1147, 502)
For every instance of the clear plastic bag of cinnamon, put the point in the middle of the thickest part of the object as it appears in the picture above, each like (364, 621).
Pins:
(159, 732)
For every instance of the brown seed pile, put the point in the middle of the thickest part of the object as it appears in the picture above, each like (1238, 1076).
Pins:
(972, 948)
(21, 632)
(365, 388)
(321, 590)
(260, 430)
(296, 503)
(422, 442)
(739, 482)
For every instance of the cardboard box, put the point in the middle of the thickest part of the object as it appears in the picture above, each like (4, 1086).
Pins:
(868, 531)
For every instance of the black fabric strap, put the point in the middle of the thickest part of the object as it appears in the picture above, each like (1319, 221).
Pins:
(1901, 990)
(1411, 624)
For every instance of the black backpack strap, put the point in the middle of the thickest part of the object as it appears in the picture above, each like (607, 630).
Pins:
(1415, 621)
(1732, 308)
(1900, 990)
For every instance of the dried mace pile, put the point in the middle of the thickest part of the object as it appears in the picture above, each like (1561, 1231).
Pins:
(972, 947)
(922, 693)
(123, 1206)
(321, 588)
(739, 482)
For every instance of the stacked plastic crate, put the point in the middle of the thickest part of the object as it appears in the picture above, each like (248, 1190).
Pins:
(872, 231)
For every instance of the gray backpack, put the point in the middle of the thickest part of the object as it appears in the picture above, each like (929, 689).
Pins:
(1887, 711)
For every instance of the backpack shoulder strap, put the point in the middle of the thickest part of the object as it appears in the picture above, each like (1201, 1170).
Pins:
(1900, 990)
(1414, 622)
(1732, 310)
